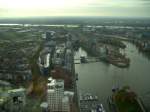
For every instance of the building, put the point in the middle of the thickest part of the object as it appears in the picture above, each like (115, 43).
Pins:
(68, 59)
(18, 99)
(57, 100)
(49, 34)
(44, 107)
(59, 54)
(13, 100)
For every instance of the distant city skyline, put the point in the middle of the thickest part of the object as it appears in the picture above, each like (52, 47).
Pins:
(41, 8)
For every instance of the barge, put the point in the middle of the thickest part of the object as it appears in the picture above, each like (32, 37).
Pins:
(122, 63)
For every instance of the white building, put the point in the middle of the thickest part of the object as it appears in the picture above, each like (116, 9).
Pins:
(17, 100)
(57, 101)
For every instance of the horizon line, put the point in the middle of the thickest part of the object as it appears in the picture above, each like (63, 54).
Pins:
(59, 17)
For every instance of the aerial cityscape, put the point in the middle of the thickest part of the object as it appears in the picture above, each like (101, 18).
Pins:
(55, 57)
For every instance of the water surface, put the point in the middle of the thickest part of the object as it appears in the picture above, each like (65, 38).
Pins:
(99, 78)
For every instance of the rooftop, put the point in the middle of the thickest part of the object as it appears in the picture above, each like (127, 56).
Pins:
(55, 83)
(17, 90)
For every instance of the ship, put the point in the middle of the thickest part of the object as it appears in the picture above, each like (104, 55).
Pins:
(122, 63)
(114, 57)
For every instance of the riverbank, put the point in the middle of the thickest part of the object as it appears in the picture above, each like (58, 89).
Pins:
(99, 77)
(125, 100)
(107, 53)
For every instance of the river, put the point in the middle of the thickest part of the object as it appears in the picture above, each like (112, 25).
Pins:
(99, 78)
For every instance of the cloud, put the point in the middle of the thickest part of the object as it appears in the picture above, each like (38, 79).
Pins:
(75, 7)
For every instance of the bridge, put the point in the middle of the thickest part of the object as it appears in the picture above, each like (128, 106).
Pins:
(88, 60)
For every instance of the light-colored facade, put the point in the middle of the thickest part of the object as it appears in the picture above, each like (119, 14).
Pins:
(56, 99)
(13, 100)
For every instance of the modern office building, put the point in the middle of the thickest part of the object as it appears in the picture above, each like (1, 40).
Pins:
(57, 100)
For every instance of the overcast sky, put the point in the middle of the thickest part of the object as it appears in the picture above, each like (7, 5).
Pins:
(115, 8)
